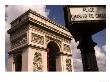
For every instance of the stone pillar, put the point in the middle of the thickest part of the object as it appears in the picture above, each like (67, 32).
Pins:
(44, 60)
(10, 65)
(59, 64)
(25, 60)
(86, 45)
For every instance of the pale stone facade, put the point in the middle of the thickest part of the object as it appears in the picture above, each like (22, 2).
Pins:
(30, 35)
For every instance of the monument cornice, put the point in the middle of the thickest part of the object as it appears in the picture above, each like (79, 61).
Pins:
(49, 28)
(24, 46)
(26, 18)
(38, 15)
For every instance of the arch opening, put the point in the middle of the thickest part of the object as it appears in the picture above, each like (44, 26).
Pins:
(18, 62)
(52, 54)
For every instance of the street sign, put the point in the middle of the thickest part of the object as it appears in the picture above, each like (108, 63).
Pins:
(88, 19)
(84, 13)
(87, 13)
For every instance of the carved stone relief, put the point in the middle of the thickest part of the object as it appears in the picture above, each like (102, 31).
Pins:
(66, 48)
(37, 62)
(18, 32)
(35, 38)
(50, 26)
(19, 41)
(68, 65)
(46, 33)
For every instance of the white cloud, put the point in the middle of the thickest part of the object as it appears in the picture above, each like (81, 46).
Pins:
(99, 53)
(101, 58)
(7, 26)
(77, 60)
(78, 67)
(13, 11)
(104, 48)
(7, 42)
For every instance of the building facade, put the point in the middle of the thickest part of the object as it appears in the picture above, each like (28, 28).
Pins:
(39, 44)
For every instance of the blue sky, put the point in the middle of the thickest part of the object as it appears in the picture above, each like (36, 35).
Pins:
(56, 13)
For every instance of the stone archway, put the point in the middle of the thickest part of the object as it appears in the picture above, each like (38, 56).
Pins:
(52, 54)
(34, 34)
(18, 62)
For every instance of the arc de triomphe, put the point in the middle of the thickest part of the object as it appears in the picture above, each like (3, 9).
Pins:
(39, 44)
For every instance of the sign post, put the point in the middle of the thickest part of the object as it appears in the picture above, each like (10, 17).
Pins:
(83, 21)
